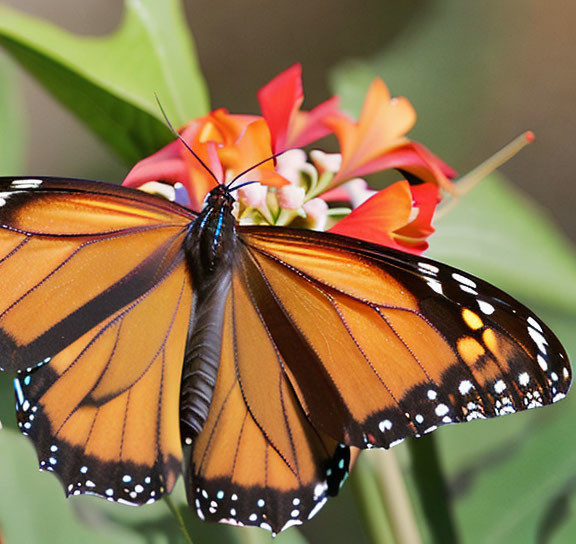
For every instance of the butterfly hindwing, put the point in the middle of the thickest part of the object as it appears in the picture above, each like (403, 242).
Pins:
(258, 460)
(399, 345)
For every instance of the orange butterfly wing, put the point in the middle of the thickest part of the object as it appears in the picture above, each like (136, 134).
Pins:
(101, 271)
(383, 345)
(327, 343)
(258, 460)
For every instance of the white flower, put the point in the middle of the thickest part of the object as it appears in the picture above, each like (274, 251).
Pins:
(326, 162)
(316, 213)
(290, 197)
(253, 195)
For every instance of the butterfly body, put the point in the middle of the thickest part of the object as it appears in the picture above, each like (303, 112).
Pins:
(210, 245)
(269, 351)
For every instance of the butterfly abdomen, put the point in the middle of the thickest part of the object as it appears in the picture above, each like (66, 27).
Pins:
(210, 248)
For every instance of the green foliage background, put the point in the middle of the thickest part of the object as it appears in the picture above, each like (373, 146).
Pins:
(510, 480)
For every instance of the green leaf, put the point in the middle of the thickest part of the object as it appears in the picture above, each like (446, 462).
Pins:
(12, 138)
(109, 82)
(498, 234)
(33, 508)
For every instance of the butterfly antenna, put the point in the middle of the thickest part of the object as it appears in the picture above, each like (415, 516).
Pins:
(272, 157)
(178, 135)
(243, 185)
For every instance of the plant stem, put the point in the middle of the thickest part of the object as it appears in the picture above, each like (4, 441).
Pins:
(432, 490)
(370, 505)
(179, 518)
(466, 183)
(395, 497)
(252, 535)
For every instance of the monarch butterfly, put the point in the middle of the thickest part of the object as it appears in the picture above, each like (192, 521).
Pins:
(143, 333)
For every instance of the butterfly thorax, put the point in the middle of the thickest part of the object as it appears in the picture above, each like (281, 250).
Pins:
(211, 240)
(211, 252)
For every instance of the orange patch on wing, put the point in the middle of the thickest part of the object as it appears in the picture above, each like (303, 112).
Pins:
(490, 339)
(470, 350)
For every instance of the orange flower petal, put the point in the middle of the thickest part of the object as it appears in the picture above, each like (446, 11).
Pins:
(383, 123)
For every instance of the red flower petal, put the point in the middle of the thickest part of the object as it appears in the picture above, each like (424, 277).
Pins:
(164, 165)
(385, 218)
(280, 102)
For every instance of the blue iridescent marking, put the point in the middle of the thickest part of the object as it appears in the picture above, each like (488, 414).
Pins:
(218, 228)
(220, 221)
(27, 380)
(18, 389)
(205, 218)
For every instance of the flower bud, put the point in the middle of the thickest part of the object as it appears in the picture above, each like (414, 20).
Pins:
(291, 164)
(290, 197)
(326, 162)
(316, 213)
(253, 195)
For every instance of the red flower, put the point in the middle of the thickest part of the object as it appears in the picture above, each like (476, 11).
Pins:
(229, 144)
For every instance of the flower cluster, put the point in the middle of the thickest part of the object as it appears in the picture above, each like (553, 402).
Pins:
(310, 188)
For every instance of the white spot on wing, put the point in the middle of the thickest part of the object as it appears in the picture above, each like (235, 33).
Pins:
(441, 410)
(26, 183)
(435, 285)
(534, 323)
(385, 425)
(485, 307)
(467, 289)
(538, 339)
(463, 280)
(465, 387)
(524, 379)
(317, 507)
(427, 267)
(291, 523)
(499, 387)
(542, 362)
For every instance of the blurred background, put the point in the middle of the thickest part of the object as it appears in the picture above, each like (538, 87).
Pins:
(478, 73)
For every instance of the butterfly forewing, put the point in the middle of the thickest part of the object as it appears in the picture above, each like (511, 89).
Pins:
(73, 254)
(407, 343)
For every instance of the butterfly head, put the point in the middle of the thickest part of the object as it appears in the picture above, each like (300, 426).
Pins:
(220, 198)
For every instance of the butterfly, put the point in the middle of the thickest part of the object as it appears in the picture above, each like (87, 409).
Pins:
(146, 338)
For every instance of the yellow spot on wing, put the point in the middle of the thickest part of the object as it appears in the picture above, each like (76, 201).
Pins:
(471, 319)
